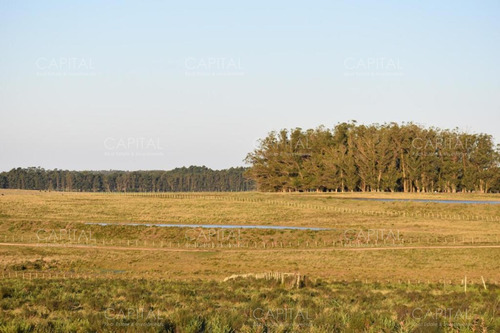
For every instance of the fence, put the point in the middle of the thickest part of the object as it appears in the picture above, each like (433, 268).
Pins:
(344, 210)
(456, 241)
(296, 280)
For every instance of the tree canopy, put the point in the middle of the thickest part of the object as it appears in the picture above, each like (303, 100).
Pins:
(388, 157)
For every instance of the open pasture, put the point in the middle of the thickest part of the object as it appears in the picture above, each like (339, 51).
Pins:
(421, 256)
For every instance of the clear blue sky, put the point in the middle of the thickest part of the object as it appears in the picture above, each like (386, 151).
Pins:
(157, 85)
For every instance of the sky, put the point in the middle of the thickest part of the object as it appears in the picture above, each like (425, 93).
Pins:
(150, 85)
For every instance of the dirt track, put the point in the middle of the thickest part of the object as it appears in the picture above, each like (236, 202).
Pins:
(120, 248)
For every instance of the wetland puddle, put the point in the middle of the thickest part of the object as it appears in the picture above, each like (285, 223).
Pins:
(208, 226)
(432, 201)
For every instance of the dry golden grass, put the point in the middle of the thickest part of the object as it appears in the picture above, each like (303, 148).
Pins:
(417, 265)
(22, 213)
(30, 210)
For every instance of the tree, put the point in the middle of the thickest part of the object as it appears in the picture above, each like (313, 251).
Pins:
(389, 157)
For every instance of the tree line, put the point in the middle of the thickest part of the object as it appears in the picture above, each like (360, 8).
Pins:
(348, 157)
(389, 157)
(191, 179)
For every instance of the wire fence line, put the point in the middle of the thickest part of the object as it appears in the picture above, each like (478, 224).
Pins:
(345, 210)
(258, 244)
(442, 282)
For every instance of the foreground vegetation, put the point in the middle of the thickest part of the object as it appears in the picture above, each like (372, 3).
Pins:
(243, 305)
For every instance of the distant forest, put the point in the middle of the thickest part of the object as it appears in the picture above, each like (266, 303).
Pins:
(388, 157)
(192, 179)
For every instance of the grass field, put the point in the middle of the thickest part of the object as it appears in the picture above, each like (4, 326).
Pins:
(400, 266)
